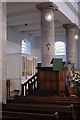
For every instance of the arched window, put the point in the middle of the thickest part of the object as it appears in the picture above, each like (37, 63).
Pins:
(60, 48)
(26, 47)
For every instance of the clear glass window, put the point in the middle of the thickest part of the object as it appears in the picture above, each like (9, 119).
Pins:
(26, 47)
(60, 48)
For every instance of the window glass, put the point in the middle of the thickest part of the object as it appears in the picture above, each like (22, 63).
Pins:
(26, 47)
(60, 48)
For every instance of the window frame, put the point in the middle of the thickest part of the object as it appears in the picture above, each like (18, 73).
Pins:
(60, 48)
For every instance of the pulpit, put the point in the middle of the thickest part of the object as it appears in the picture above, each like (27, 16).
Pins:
(51, 82)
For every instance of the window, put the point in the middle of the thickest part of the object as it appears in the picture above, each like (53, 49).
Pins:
(26, 47)
(60, 48)
(23, 46)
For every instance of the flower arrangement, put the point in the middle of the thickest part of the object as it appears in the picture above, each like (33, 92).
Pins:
(76, 80)
(72, 76)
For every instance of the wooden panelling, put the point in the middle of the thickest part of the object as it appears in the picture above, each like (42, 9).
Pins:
(49, 80)
(29, 65)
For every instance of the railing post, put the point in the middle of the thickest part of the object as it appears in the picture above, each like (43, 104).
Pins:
(35, 86)
(22, 89)
(56, 115)
(30, 86)
(73, 112)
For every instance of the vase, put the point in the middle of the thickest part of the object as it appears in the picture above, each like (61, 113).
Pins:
(72, 91)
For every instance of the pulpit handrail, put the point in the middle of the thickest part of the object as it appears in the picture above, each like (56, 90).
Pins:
(29, 87)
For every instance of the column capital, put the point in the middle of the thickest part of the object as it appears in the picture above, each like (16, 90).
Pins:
(69, 26)
(47, 5)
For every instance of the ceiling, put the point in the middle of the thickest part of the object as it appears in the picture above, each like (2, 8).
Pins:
(21, 13)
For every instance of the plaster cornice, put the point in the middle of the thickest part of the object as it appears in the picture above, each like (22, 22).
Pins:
(72, 8)
(47, 5)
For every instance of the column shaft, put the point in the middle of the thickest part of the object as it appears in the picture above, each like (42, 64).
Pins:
(47, 33)
(3, 52)
(47, 40)
(71, 43)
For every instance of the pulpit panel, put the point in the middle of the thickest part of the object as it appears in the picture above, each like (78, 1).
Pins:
(50, 81)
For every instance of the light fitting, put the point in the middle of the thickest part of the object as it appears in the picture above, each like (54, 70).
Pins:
(26, 25)
(76, 36)
(49, 16)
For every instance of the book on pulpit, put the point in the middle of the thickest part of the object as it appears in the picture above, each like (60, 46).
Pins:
(57, 64)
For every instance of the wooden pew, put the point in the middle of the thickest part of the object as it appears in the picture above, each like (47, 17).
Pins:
(46, 109)
(48, 97)
(65, 106)
(45, 99)
(48, 102)
(28, 116)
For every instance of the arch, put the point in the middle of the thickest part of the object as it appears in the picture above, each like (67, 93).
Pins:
(26, 46)
(60, 48)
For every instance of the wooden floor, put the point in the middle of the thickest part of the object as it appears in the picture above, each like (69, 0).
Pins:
(41, 108)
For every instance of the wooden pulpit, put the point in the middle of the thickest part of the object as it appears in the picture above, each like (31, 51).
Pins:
(51, 82)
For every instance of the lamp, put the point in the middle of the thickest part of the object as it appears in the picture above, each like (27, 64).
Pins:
(26, 25)
(49, 16)
(76, 36)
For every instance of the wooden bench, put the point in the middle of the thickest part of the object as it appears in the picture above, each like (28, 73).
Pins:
(29, 116)
(66, 107)
(41, 108)
(33, 97)
(48, 100)
(40, 99)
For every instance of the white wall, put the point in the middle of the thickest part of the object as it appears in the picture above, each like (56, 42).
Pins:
(13, 50)
(13, 71)
(13, 41)
(35, 45)
(13, 47)
(13, 60)
(13, 35)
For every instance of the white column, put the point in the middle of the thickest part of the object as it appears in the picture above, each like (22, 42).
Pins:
(47, 34)
(3, 52)
(71, 43)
